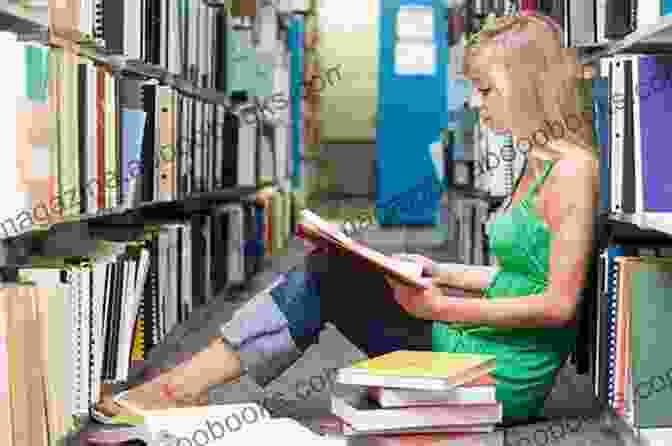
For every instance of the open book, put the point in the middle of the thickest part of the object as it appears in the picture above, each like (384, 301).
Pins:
(317, 230)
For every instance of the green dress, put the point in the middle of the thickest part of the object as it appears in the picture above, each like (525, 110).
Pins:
(527, 359)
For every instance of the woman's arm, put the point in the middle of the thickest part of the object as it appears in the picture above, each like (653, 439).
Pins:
(455, 275)
(466, 277)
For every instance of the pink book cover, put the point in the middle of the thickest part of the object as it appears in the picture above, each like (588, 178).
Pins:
(364, 414)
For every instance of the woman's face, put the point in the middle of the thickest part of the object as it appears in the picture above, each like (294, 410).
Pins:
(494, 112)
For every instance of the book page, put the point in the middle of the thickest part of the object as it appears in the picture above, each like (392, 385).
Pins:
(409, 272)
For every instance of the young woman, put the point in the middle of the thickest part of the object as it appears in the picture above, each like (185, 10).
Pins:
(523, 311)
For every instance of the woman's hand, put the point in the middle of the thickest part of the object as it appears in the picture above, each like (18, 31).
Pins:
(429, 266)
(423, 304)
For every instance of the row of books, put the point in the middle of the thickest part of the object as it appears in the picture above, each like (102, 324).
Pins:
(413, 392)
(630, 118)
(94, 319)
(123, 140)
(207, 45)
(67, 331)
(600, 21)
(631, 372)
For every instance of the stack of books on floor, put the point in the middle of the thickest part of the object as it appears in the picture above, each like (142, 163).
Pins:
(414, 392)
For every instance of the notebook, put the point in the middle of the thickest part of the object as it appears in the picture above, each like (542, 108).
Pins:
(315, 228)
(626, 266)
(480, 391)
(581, 24)
(667, 7)
(609, 304)
(650, 287)
(621, 18)
(418, 370)
(622, 160)
(651, 115)
(601, 114)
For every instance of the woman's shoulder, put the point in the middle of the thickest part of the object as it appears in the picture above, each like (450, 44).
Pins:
(578, 167)
(573, 182)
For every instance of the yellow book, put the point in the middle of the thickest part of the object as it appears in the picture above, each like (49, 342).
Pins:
(421, 370)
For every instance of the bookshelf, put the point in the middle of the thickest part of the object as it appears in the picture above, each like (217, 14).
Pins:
(659, 227)
(637, 234)
(209, 239)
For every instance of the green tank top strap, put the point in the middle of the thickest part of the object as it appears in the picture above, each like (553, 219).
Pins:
(548, 164)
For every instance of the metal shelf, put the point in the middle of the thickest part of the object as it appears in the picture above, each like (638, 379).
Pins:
(641, 225)
(78, 238)
(22, 21)
(650, 39)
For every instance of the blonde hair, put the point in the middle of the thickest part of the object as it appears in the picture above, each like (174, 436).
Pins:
(543, 75)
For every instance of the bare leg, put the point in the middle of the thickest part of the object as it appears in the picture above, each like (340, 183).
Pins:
(184, 385)
(268, 333)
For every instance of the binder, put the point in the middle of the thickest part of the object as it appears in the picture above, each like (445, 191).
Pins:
(667, 7)
(581, 24)
(601, 115)
(166, 152)
(113, 14)
(651, 312)
(652, 115)
(618, 128)
(648, 13)
(607, 305)
(620, 18)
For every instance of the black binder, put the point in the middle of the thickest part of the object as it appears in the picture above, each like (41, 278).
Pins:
(628, 183)
(113, 25)
(620, 18)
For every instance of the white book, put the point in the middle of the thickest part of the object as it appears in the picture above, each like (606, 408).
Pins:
(391, 397)
(173, 35)
(186, 270)
(86, 16)
(132, 29)
(124, 337)
(98, 346)
(648, 13)
(655, 436)
(248, 135)
(601, 20)
(91, 187)
(171, 279)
